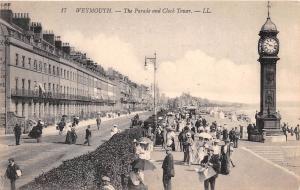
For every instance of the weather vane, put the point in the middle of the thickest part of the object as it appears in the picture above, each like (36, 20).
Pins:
(269, 6)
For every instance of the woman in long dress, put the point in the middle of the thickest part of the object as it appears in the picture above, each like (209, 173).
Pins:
(225, 157)
(68, 136)
(199, 151)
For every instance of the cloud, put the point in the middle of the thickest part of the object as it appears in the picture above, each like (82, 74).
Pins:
(206, 76)
(110, 51)
(196, 72)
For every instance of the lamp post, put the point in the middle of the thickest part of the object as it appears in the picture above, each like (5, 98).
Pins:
(153, 61)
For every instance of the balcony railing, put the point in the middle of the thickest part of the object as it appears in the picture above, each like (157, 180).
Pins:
(54, 95)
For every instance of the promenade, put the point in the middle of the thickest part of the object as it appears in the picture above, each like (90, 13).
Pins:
(36, 158)
(250, 173)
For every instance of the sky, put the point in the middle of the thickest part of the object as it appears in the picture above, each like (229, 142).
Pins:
(212, 55)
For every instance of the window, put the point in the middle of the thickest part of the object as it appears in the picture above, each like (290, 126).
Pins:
(17, 59)
(16, 108)
(53, 87)
(49, 70)
(49, 87)
(40, 66)
(67, 74)
(29, 62)
(23, 84)
(23, 109)
(57, 71)
(61, 72)
(45, 67)
(29, 84)
(17, 81)
(23, 61)
(64, 73)
(53, 70)
(35, 65)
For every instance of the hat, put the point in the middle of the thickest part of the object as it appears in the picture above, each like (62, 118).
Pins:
(115, 125)
(188, 134)
(216, 140)
(11, 159)
(105, 178)
(134, 140)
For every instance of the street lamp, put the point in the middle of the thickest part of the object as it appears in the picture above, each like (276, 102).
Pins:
(153, 61)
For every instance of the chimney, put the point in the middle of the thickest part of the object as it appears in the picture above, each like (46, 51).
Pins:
(58, 42)
(66, 48)
(49, 37)
(36, 28)
(5, 12)
(22, 20)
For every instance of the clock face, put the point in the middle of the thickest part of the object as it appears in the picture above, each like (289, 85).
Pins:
(269, 45)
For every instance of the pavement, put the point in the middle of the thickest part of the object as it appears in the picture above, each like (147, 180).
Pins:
(263, 166)
(36, 158)
(251, 173)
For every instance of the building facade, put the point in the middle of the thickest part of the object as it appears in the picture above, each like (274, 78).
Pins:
(44, 78)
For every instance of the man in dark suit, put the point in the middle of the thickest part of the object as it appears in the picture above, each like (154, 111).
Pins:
(88, 135)
(168, 170)
(211, 160)
(18, 132)
(11, 173)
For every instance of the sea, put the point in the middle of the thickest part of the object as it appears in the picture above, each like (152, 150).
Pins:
(290, 113)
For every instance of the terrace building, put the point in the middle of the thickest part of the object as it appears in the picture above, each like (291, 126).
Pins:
(43, 78)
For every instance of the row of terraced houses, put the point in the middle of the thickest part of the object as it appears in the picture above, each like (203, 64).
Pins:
(43, 78)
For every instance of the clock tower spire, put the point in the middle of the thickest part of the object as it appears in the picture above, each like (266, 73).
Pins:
(268, 120)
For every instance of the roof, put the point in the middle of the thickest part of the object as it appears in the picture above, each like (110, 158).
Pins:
(268, 26)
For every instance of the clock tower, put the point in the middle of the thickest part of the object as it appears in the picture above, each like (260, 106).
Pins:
(268, 119)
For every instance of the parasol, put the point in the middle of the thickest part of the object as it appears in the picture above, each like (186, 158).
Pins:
(205, 135)
(143, 164)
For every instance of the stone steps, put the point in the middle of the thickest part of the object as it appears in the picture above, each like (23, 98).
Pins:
(274, 154)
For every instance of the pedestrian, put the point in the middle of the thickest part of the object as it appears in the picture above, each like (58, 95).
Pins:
(292, 131)
(225, 159)
(136, 180)
(284, 130)
(170, 138)
(168, 170)
(12, 173)
(225, 134)
(98, 121)
(236, 137)
(249, 130)
(73, 135)
(211, 160)
(106, 184)
(69, 135)
(231, 135)
(18, 133)
(39, 130)
(114, 130)
(189, 150)
(241, 131)
(297, 131)
(61, 126)
(88, 135)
